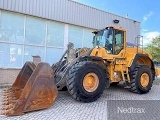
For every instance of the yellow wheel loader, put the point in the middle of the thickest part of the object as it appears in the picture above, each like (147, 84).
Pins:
(85, 72)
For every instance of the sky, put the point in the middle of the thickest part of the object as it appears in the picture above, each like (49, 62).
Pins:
(147, 12)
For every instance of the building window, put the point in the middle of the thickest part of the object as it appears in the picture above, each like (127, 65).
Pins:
(55, 34)
(35, 31)
(75, 35)
(11, 27)
(87, 38)
(11, 55)
(30, 51)
(53, 55)
(23, 36)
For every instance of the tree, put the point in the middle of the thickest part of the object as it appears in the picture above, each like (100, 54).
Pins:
(154, 48)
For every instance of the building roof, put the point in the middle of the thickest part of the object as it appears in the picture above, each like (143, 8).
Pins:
(67, 11)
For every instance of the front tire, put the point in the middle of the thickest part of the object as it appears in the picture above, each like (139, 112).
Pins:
(86, 81)
(141, 79)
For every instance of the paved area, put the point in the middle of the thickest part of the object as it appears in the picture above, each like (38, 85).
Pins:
(66, 108)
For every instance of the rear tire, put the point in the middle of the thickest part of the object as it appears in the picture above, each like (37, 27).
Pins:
(141, 79)
(82, 72)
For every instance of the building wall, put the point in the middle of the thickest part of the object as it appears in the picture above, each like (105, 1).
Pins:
(22, 36)
(8, 76)
(71, 12)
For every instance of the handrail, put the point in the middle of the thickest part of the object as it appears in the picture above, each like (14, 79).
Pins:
(137, 39)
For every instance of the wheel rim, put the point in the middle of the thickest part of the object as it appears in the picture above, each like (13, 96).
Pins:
(90, 82)
(144, 80)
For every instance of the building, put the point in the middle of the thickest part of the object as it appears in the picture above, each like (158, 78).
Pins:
(44, 27)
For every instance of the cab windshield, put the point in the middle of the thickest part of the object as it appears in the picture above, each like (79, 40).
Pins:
(100, 38)
(111, 39)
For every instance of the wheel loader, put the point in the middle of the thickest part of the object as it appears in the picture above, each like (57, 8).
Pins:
(85, 72)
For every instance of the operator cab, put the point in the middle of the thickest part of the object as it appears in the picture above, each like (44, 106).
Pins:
(110, 38)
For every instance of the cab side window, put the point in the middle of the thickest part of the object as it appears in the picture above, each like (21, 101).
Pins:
(119, 41)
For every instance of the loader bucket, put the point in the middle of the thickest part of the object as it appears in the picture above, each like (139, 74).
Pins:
(34, 89)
